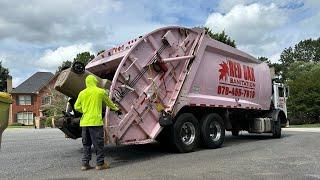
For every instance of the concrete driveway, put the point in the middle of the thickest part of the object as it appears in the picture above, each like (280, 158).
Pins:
(46, 154)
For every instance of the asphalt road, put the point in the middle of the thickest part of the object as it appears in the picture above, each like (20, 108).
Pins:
(46, 154)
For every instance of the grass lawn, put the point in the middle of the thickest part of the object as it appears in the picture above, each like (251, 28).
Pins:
(20, 127)
(317, 125)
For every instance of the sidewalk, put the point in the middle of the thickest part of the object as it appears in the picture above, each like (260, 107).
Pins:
(316, 130)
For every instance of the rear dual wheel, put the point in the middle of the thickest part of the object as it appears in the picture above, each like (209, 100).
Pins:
(186, 133)
(212, 131)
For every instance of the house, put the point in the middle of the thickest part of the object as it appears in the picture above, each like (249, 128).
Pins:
(32, 98)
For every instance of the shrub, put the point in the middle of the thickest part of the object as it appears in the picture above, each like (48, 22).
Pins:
(48, 122)
(16, 124)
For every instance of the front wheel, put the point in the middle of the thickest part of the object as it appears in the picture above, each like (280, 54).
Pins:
(212, 130)
(277, 129)
(186, 133)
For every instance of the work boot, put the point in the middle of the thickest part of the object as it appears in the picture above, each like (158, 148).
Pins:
(86, 167)
(103, 166)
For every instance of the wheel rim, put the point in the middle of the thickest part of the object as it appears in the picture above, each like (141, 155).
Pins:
(187, 133)
(215, 131)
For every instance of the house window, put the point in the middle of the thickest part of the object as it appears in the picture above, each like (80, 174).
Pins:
(25, 100)
(46, 100)
(25, 118)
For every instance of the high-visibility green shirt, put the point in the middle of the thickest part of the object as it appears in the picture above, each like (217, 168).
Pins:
(89, 103)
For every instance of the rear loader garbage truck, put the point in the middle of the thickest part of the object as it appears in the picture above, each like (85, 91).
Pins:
(177, 85)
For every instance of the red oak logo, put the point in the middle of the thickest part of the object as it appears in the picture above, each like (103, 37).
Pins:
(224, 71)
(235, 70)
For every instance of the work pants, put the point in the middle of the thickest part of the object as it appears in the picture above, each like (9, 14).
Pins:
(92, 135)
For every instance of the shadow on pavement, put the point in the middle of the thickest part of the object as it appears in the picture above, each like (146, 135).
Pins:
(121, 155)
(247, 138)
(130, 153)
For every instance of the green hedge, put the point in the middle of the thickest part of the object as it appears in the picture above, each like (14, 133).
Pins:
(16, 124)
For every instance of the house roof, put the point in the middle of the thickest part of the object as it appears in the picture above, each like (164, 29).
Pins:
(34, 83)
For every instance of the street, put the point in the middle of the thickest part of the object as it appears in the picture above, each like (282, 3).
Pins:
(46, 154)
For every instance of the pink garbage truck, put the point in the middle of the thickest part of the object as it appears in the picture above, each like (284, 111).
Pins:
(178, 86)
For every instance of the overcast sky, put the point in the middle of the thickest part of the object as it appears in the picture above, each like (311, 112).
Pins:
(37, 35)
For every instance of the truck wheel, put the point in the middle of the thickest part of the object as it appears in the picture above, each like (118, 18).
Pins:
(235, 132)
(186, 133)
(212, 131)
(277, 129)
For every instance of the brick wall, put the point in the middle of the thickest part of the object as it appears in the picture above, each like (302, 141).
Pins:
(34, 107)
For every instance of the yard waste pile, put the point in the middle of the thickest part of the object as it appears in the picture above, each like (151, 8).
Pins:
(5, 101)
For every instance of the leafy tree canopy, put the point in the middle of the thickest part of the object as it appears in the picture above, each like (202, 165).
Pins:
(304, 99)
(84, 57)
(305, 51)
(265, 59)
(4, 74)
(222, 37)
(64, 65)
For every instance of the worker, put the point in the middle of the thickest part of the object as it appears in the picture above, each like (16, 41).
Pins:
(89, 103)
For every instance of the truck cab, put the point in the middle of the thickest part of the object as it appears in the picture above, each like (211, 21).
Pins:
(280, 96)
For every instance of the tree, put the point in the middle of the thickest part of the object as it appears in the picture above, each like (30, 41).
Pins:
(222, 37)
(84, 57)
(304, 100)
(299, 68)
(305, 51)
(277, 67)
(4, 74)
(64, 65)
(265, 59)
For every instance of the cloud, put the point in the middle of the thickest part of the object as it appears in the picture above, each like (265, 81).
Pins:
(16, 81)
(249, 24)
(312, 24)
(258, 29)
(51, 59)
(41, 21)
(274, 58)
(227, 5)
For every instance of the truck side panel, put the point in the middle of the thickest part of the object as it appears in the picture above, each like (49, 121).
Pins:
(222, 76)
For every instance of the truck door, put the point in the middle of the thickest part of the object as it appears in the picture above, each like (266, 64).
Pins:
(280, 96)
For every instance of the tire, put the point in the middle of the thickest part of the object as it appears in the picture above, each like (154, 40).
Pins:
(235, 132)
(186, 133)
(212, 131)
(277, 129)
